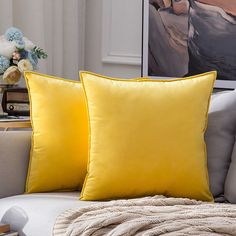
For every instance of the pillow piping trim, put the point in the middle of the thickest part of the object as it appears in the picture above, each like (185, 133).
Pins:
(32, 135)
(204, 131)
(147, 79)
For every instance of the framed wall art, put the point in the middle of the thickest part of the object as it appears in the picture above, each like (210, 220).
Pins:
(188, 37)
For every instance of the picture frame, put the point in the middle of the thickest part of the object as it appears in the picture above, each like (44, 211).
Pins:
(215, 48)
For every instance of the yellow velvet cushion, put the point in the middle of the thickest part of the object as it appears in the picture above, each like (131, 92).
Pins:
(147, 137)
(59, 148)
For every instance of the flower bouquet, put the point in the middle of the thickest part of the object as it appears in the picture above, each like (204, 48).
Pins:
(17, 53)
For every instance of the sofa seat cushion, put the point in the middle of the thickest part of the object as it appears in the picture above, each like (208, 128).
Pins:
(35, 214)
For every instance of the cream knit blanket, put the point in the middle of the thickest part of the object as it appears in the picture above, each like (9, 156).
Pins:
(148, 216)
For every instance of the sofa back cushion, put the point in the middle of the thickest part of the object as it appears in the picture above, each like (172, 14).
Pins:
(230, 187)
(14, 158)
(220, 136)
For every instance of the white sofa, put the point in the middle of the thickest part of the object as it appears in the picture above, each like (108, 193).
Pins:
(28, 214)
(33, 214)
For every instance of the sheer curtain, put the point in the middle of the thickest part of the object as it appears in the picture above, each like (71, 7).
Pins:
(55, 25)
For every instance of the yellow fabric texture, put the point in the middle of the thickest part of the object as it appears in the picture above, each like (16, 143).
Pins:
(147, 137)
(59, 150)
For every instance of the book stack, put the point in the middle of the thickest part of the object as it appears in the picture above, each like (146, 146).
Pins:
(5, 230)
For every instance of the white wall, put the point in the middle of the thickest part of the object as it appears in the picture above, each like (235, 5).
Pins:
(58, 26)
(109, 34)
(113, 37)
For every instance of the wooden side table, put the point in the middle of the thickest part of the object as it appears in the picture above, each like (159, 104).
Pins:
(13, 124)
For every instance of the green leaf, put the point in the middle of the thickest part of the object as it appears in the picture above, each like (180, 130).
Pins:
(39, 52)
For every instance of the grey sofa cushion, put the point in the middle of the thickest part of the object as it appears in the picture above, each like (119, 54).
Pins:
(35, 214)
(220, 136)
(14, 158)
(230, 182)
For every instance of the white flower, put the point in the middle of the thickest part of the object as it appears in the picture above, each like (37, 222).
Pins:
(24, 65)
(6, 47)
(28, 44)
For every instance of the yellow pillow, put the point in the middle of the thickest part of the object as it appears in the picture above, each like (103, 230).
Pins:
(147, 137)
(60, 134)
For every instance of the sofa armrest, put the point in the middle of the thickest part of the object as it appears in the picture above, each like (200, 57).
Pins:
(14, 158)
